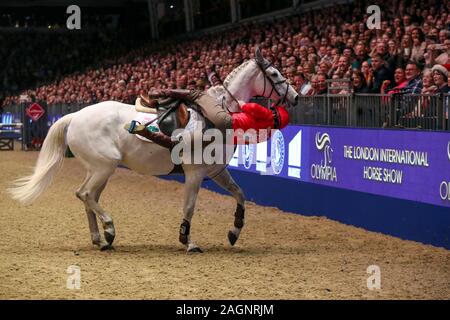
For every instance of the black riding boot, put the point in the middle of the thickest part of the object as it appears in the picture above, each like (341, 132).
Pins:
(157, 137)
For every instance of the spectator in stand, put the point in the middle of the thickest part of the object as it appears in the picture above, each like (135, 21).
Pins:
(314, 86)
(366, 70)
(444, 57)
(360, 56)
(440, 78)
(406, 47)
(400, 83)
(392, 47)
(302, 84)
(322, 84)
(428, 84)
(412, 72)
(389, 61)
(380, 73)
(359, 84)
(422, 107)
(418, 44)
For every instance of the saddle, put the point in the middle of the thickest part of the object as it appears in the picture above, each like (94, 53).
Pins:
(172, 114)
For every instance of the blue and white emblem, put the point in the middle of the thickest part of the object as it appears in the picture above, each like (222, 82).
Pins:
(277, 152)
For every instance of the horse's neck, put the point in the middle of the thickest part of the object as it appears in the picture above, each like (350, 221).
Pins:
(240, 87)
(223, 97)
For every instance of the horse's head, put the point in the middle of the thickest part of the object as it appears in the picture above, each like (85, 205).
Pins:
(252, 78)
(270, 83)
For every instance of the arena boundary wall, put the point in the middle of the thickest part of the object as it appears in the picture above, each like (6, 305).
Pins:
(396, 182)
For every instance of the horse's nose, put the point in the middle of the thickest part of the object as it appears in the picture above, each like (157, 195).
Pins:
(296, 99)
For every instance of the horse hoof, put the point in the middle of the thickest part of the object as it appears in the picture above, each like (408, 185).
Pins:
(106, 247)
(109, 237)
(195, 250)
(183, 239)
(232, 238)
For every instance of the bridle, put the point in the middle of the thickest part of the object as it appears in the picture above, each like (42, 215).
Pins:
(282, 98)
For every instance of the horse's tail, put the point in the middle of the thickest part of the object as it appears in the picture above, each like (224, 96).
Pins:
(51, 156)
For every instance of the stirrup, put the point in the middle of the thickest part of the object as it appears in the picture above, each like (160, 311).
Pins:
(134, 127)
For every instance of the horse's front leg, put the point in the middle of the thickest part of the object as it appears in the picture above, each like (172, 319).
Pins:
(224, 180)
(192, 185)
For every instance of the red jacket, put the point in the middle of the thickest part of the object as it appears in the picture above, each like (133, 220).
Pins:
(257, 117)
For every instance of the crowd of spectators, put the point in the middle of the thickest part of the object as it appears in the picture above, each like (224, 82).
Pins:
(33, 59)
(408, 54)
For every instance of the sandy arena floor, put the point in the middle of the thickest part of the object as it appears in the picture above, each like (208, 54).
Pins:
(279, 255)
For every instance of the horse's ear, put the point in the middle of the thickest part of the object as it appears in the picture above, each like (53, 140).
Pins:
(258, 56)
(260, 59)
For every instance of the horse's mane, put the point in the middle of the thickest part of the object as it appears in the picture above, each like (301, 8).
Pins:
(219, 91)
(233, 73)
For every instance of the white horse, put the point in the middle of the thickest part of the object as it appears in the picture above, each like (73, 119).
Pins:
(96, 137)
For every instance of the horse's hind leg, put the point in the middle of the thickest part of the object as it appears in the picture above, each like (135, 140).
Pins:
(89, 194)
(225, 181)
(92, 220)
(93, 227)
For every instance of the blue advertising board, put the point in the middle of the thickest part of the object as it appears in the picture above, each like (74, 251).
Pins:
(409, 165)
(392, 181)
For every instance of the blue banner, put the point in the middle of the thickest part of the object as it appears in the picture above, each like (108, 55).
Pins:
(405, 164)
